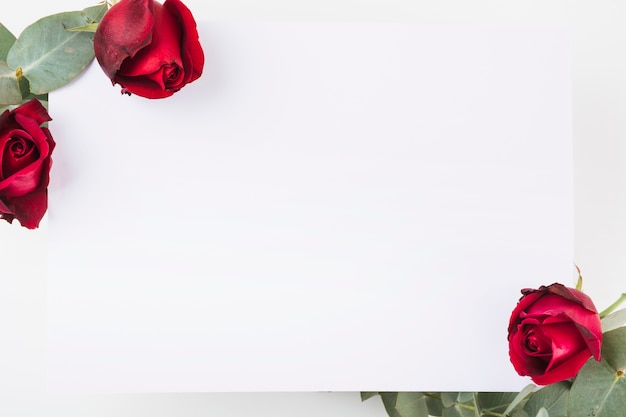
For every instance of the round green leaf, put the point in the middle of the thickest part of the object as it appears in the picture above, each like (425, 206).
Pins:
(13, 89)
(553, 398)
(49, 55)
(405, 404)
(6, 41)
(599, 390)
(613, 351)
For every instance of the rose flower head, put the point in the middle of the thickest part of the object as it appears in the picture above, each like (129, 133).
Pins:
(553, 331)
(148, 48)
(25, 149)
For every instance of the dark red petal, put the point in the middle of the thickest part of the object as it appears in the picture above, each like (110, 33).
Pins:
(34, 110)
(164, 49)
(573, 295)
(29, 209)
(124, 30)
(145, 86)
(527, 300)
(565, 371)
(191, 49)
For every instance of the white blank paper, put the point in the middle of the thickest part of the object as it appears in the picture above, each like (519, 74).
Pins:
(332, 206)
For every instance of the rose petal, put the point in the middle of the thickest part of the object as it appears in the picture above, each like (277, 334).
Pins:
(125, 29)
(164, 49)
(564, 371)
(29, 209)
(192, 53)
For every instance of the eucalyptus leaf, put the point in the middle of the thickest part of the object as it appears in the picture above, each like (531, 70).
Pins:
(93, 14)
(11, 86)
(405, 404)
(411, 404)
(367, 395)
(91, 27)
(96, 13)
(520, 398)
(464, 397)
(448, 399)
(613, 351)
(614, 320)
(434, 405)
(460, 411)
(599, 390)
(50, 56)
(542, 413)
(552, 397)
(6, 41)
(467, 408)
(519, 413)
(496, 402)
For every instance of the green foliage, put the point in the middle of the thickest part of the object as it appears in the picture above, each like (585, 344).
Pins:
(614, 320)
(405, 404)
(6, 41)
(11, 86)
(49, 55)
(553, 398)
(93, 16)
(46, 55)
(599, 389)
(445, 404)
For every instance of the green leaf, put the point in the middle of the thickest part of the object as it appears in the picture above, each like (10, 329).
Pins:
(92, 27)
(519, 398)
(542, 413)
(457, 408)
(614, 320)
(13, 86)
(613, 351)
(367, 395)
(50, 56)
(599, 390)
(448, 399)
(405, 404)
(552, 397)
(6, 41)
(519, 413)
(95, 13)
(495, 402)
(434, 405)
(459, 411)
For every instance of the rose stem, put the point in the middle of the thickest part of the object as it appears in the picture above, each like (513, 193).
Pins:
(613, 306)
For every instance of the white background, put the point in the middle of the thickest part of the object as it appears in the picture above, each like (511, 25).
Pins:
(600, 197)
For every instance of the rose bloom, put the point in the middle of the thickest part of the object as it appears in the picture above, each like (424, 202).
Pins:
(25, 149)
(148, 48)
(552, 333)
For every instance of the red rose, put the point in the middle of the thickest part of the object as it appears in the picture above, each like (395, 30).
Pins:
(552, 332)
(148, 48)
(25, 149)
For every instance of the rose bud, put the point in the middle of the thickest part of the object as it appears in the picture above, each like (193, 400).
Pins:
(148, 48)
(25, 149)
(552, 333)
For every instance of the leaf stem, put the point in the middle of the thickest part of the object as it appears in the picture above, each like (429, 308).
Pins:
(579, 281)
(613, 306)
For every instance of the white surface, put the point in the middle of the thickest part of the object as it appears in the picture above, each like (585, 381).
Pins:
(280, 224)
(599, 89)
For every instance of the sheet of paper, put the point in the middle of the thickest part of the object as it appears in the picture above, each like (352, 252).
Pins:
(332, 206)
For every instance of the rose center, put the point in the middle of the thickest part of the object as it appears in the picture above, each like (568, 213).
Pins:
(172, 76)
(532, 343)
(536, 343)
(19, 152)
